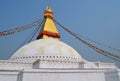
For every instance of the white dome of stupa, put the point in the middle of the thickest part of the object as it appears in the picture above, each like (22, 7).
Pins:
(46, 47)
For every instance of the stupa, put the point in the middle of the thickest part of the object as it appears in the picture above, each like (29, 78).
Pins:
(49, 59)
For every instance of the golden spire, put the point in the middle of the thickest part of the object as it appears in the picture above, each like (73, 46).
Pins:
(48, 12)
(48, 9)
(49, 29)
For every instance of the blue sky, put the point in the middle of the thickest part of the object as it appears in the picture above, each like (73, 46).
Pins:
(96, 19)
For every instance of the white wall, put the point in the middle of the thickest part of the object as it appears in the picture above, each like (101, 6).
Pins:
(60, 75)
(67, 75)
(8, 76)
(112, 75)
